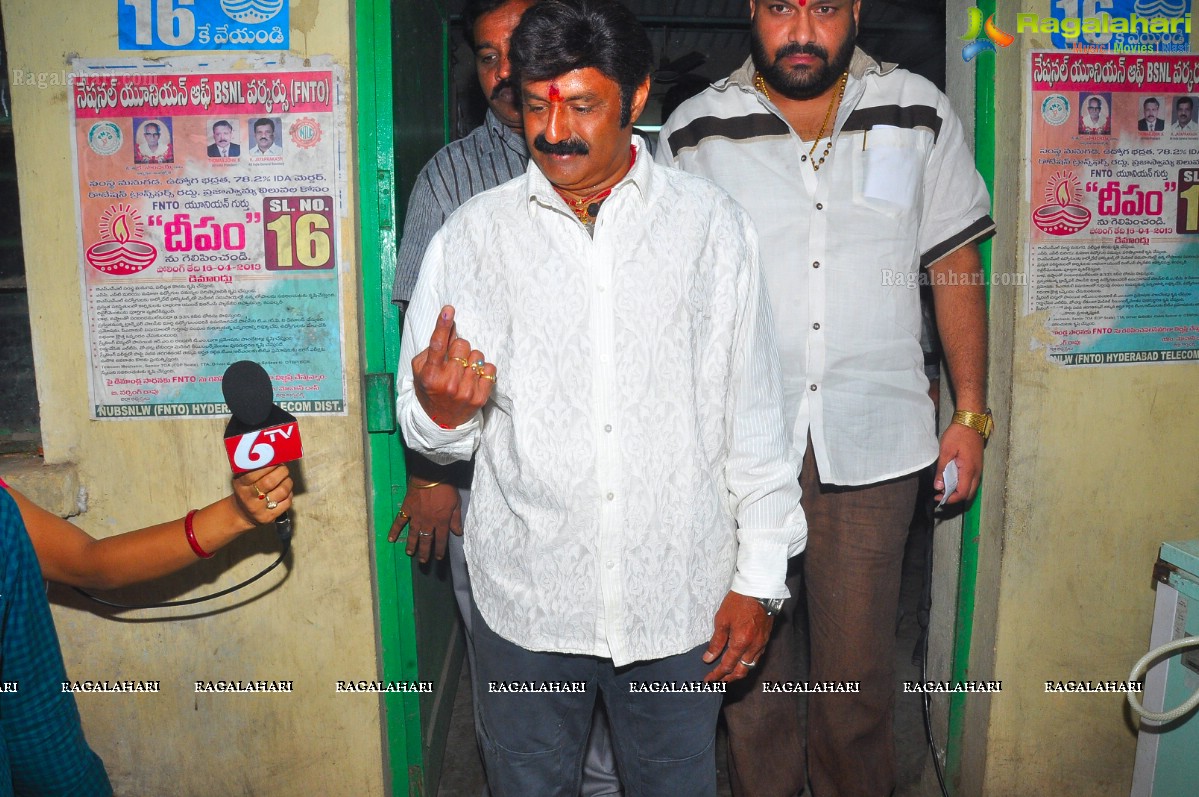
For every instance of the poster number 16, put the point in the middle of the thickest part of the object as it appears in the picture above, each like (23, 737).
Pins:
(1187, 220)
(174, 23)
(298, 232)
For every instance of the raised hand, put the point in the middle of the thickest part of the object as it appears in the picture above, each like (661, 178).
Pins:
(452, 381)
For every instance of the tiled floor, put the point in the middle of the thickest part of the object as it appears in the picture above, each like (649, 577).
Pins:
(463, 774)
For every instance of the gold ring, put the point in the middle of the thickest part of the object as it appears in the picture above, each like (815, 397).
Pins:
(461, 361)
(261, 494)
(487, 376)
(404, 515)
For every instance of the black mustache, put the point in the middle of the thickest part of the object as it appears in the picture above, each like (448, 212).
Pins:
(505, 84)
(795, 48)
(571, 146)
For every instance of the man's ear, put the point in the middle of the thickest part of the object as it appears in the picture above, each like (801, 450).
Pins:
(640, 98)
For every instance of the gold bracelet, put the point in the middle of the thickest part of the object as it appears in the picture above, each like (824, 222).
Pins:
(426, 486)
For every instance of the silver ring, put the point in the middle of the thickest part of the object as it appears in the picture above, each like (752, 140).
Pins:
(748, 664)
(271, 503)
(424, 534)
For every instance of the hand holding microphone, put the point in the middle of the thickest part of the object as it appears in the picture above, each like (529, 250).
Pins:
(264, 494)
(260, 437)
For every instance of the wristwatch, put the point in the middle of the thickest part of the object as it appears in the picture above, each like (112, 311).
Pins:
(981, 422)
(772, 605)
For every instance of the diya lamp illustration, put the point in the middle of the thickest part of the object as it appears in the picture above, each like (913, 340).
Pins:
(118, 253)
(1062, 214)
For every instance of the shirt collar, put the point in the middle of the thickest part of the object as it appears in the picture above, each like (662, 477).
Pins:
(505, 135)
(859, 66)
(541, 191)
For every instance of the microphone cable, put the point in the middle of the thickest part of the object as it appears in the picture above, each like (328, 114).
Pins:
(282, 528)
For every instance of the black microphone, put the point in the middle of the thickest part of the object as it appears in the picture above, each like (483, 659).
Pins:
(260, 433)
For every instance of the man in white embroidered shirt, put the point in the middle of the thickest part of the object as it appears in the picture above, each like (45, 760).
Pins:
(859, 179)
(599, 337)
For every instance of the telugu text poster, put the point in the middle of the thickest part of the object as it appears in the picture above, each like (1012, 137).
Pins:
(1114, 182)
(209, 205)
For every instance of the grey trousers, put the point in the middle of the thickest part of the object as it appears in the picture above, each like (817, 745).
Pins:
(599, 762)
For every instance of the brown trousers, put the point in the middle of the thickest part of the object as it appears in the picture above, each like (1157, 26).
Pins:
(850, 575)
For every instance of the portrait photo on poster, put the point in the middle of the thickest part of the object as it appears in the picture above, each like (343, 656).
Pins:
(223, 138)
(266, 138)
(152, 140)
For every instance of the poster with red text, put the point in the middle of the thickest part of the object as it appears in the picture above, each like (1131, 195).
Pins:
(1114, 230)
(209, 202)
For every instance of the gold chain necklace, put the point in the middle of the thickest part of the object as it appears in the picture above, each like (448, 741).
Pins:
(760, 85)
(585, 209)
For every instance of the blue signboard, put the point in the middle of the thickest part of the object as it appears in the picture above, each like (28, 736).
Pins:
(203, 25)
(1133, 26)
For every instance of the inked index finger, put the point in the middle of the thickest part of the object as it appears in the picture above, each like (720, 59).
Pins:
(443, 332)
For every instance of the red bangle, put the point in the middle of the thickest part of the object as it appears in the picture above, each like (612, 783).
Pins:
(191, 536)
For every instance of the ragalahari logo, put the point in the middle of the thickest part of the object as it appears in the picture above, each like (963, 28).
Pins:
(983, 36)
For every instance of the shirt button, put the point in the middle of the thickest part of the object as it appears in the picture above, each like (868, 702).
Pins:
(820, 206)
(611, 565)
(607, 427)
(612, 496)
(815, 264)
(803, 158)
(816, 325)
(601, 289)
(812, 388)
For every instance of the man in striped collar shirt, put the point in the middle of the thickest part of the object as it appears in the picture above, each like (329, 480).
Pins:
(859, 180)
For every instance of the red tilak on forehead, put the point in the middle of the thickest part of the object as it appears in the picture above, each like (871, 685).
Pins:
(555, 95)
(803, 3)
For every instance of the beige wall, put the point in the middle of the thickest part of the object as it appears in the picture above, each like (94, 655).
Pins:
(1097, 471)
(316, 625)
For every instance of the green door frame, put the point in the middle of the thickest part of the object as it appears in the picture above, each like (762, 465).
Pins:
(413, 764)
(377, 242)
(418, 640)
(963, 637)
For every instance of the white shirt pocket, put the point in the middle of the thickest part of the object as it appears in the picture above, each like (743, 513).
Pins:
(888, 169)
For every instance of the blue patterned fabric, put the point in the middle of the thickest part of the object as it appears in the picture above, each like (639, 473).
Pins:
(42, 749)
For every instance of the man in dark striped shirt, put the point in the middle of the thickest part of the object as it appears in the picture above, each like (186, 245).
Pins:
(490, 155)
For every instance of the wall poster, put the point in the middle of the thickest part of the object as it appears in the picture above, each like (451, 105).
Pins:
(1114, 230)
(209, 201)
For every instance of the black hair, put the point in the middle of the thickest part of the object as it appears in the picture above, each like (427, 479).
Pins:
(263, 122)
(559, 36)
(470, 15)
(222, 123)
(1190, 103)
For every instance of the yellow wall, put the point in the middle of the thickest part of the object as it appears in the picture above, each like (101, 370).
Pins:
(317, 625)
(1099, 469)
